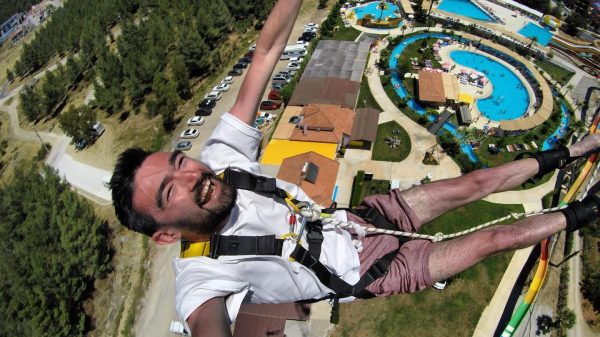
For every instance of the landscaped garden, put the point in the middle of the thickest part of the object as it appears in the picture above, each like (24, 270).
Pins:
(392, 143)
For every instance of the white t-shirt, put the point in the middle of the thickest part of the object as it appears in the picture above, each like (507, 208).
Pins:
(261, 279)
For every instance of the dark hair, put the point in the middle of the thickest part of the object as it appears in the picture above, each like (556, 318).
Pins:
(122, 187)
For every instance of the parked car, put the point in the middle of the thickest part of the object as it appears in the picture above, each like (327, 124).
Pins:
(203, 112)
(195, 121)
(277, 85)
(293, 65)
(190, 133)
(183, 145)
(440, 285)
(269, 105)
(302, 43)
(310, 29)
(311, 25)
(296, 59)
(227, 80)
(245, 60)
(249, 55)
(281, 77)
(221, 87)
(240, 66)
(235, 72)
(216, 95)
(307, 36)
(80, 145)
(207, 103)
(274, 95)
(252, 47)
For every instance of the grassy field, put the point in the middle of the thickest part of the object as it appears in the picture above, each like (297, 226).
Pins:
(344, 34)
(454, 311)
(365, 97)
(382, 151)
(362, 188)
(412, 51)
(560, 74)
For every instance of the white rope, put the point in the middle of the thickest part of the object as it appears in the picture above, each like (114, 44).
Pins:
(313, 213)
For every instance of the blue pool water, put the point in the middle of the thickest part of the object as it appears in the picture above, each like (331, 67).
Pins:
(371, 8)
(509, 99)
(464, 8)
(531, 30)
(401, 91)
(559, 133)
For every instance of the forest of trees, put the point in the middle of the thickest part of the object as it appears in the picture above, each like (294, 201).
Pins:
(54, 248)
(161, 46)
(11, 7)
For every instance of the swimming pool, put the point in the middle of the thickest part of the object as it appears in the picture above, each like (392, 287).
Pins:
(509, 99)
(371, 8)
(531, 30)
(401, 91)
(464, 8)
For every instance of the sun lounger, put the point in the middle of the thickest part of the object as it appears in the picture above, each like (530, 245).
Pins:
(534, 144)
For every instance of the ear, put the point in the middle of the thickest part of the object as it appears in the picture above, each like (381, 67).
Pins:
(165, 236)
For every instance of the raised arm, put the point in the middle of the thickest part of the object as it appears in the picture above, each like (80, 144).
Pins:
(269, 46)
(210, 319)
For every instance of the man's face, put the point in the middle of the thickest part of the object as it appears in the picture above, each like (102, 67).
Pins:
(181, 192)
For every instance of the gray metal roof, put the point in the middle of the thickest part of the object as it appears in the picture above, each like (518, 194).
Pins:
(338, 59)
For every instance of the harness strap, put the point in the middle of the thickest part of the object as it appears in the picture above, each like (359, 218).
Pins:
(314, 236)
(244, 245)
(247, 181)
(335, 283)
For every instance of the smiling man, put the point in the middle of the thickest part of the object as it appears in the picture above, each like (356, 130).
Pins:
(254, 227)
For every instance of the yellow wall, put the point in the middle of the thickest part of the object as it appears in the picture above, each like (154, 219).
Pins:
(279, 149)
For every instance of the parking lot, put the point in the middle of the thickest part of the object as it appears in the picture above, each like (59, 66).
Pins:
(228, 97)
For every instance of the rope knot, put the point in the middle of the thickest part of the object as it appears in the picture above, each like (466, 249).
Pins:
(311, 213)
(439, 236)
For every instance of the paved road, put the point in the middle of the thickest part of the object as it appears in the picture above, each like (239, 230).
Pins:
(85, 178)
(581, 328)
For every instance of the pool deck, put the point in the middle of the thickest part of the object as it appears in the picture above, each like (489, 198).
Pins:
(539, 117)
(479, 120)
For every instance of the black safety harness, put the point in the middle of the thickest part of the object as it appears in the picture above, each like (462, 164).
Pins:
(230, 245)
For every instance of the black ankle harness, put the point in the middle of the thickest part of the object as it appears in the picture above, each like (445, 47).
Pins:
(228, 245)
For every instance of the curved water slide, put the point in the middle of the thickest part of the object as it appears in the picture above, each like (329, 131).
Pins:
(540, 274)
(584, 54)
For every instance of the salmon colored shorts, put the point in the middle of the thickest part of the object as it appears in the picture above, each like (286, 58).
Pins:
(409, 271)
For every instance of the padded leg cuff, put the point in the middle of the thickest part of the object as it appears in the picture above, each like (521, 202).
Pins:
(551, 160)
(581, 213)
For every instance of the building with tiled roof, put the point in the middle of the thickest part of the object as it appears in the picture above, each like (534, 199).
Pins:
(312, 172)
(324, 123)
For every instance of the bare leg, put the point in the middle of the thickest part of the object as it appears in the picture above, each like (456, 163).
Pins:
(451, 257)
(432, 200)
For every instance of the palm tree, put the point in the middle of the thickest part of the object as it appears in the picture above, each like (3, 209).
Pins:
(403, 29)
(382, 5)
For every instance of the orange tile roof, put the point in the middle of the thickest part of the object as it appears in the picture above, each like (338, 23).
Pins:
(322, 190)
(431, 87)
(324, 123)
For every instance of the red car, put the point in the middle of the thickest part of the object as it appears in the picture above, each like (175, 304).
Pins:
(269, 105)
(274, 95)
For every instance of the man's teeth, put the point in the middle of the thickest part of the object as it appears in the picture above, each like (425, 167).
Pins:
(205, 188)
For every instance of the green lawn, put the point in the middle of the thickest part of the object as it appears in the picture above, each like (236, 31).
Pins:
(362, 188)
(344, 34)
(454, 311)
(560, 74)
(382, 151)
(412, 51)
(365, 97)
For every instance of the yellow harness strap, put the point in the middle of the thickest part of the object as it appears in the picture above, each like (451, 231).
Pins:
(194, 249)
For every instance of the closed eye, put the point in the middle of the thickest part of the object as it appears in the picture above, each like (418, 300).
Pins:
(169, 192)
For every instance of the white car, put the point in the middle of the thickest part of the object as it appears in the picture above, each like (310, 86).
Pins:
(216, 95)
(302, 43)
(293, 65)
(297, 59)
(195, 121)
(252, 47)
(311, 25)
(190, 133)
(310, 29)
(227, 80)
(221, 87)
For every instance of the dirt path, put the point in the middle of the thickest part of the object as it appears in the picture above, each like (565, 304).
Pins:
(158, 304)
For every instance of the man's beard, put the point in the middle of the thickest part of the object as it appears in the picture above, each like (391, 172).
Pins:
(214, 216)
